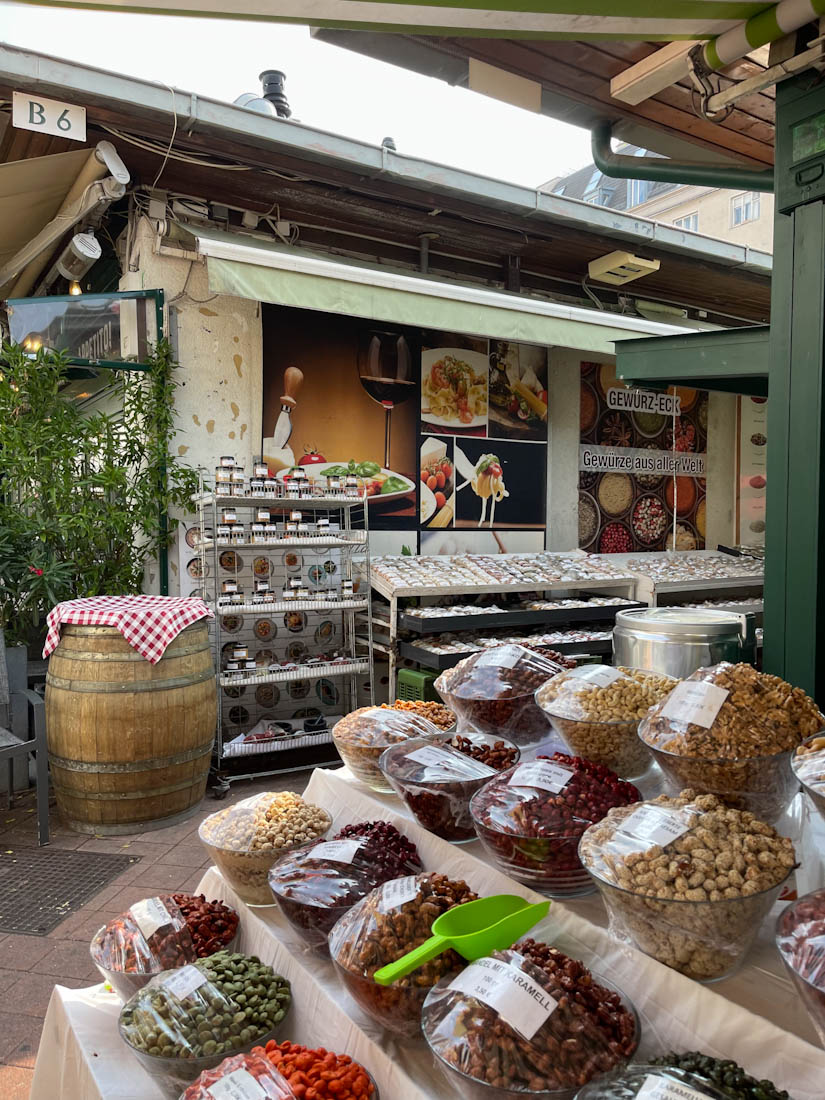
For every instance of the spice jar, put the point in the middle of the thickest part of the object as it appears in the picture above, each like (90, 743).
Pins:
(258, 532)
(271, 530)
(237, 533)
(223, 476)
(228, 587)
(270, 486)
(228, 516)
(256, 486)
(237, 596)
(262, 515)
(240, 652)
(224, 531)
(260, 469)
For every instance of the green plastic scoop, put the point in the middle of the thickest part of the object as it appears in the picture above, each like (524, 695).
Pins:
(473, 930)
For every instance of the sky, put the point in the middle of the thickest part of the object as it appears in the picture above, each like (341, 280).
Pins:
(327, 87)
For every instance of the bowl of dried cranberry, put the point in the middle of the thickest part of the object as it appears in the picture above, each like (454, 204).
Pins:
(530, 819)
(437, 782)
(314, 885)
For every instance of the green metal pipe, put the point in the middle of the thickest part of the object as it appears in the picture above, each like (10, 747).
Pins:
(663, 170)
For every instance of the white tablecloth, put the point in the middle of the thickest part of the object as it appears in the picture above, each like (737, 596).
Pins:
(83, 1058)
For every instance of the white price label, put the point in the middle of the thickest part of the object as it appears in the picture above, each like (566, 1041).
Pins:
(600, 675)
(449, 763)
(536, 773)
(501, 656)
(337, 851)
(238, 1085)
(150, 915)
(654, 825)
(694, 701)
(656, 1088)
(182, 983)
(397, 892)
(518, 1000)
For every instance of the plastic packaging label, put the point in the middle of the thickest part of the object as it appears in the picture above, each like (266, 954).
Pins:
(447, 763)
(182, 983)
(150, 915)
(519, 1001)
(655, 1088)
(655, 825)
(547, 777)
(336, 851)
(504, 657)
(238, 1085)
(694, 701)
(600, 675)
(397, 892)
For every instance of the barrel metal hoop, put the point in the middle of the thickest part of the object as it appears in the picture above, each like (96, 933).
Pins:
(94, 655)
(133, 765)
(106, 688)
(102, 796)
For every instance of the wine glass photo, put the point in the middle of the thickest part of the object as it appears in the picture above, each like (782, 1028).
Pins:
(385, 372)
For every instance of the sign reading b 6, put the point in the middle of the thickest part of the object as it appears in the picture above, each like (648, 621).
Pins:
(48, 116)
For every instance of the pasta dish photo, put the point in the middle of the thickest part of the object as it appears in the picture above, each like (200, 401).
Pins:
(454, 391)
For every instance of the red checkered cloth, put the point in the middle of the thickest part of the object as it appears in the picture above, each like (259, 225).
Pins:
(148, 623)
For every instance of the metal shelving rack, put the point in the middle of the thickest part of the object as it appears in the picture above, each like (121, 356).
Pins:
(326, 636)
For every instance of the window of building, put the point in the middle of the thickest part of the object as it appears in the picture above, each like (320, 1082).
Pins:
(637, 191)
(689, 221)
(744, 208)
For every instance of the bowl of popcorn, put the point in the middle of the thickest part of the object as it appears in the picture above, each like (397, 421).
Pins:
(687, 880)
(246, 839)
(596, 710)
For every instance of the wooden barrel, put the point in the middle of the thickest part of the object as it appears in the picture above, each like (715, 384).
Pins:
(129, 742)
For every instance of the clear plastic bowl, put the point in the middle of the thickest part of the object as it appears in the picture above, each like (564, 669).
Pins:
(441, 805)
(395, 1007)
(126, 983)
(626, 1083)
(765, 785)
(704, 940)
(248, 872)
(814, 788)
(614, 744)
(471, 1088)
(362, 736)
(800, 944)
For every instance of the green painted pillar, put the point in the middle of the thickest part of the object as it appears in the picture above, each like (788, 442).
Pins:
(795, 536)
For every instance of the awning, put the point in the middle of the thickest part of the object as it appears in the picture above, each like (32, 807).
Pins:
(32, 192)
(249, 268)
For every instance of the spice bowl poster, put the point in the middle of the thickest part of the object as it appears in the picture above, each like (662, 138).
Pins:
(642, 460)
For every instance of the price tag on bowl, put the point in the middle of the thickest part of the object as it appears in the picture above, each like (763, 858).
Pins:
(519, 1001)
(336, 851)
(600, 675)
(397, 892)
(656, 1088)
(694, 702)
(238, 1085)
(654, 825)
(544, 776)
(150, 915)
(183, 983)
(449, 764)
(506, 656)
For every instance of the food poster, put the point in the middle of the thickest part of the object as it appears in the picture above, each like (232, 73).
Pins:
(356, 405)
(753, 440)
(642, 458)
(483, 452)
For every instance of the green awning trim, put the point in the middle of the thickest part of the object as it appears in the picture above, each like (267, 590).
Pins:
(246, 268)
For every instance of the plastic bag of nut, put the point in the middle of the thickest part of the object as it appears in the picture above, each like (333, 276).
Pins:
(240, 1075)
(494, 691)
(687, 880)
(437, 781)
(730, 730)
(800, 935)
(316, 884)
(361, 736)
(386, 924)
(596, 710)
(246, 839)
(149, 937)
(528, 1021)
(530, 818)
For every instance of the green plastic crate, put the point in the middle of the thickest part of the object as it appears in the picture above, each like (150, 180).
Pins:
(412, 683)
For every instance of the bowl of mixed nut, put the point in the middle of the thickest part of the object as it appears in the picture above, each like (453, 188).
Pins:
(437, 781)
(363, 735)
(729, 730)
(428, 709)
(572, 1025)
(246, 839)
(596, 710)
(530, 818)
(687, 880)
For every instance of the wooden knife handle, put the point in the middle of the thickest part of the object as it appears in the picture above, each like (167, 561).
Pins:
(293, 380)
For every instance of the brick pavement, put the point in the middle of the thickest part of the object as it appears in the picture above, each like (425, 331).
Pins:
(30, 966)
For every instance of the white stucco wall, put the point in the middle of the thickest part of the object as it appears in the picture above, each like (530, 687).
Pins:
(220, 347)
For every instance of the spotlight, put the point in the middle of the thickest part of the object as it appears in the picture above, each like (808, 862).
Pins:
(75, 287)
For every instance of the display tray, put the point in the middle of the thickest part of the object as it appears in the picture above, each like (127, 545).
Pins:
(383, 588)
(357, 538)
(290, 605)
(441, 661)
(301, 672)
(442, 624)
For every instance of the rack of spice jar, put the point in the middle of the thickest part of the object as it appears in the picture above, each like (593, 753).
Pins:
(284, 564)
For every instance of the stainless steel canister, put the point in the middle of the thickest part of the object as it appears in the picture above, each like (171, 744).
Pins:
(678, 640)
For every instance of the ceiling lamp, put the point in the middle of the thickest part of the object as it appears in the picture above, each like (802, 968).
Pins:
(618, 268)
(75, 287)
